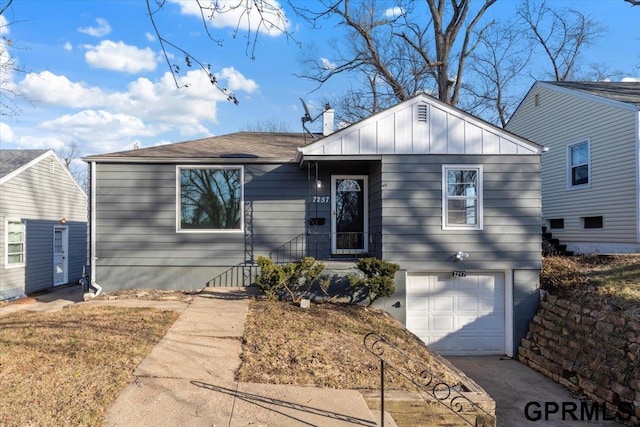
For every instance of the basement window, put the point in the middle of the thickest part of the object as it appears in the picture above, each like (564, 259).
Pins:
(592, 222)
(556, 223)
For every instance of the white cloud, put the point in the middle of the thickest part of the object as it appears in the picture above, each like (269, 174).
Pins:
(327, 65)
(119, 56)
(101, 30)
(236, 81)
(150, 37)
(4, 26)
(31, 142)
(630, 79)
(393, 12)
(146, 109)
(99, 130)
(68, 47)
(6, 134)
(58, 90)
(270, 20)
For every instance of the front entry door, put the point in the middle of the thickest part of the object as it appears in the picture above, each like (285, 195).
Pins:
(349, 219)
(60, 255)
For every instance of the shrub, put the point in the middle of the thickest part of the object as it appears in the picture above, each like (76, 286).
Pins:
(291, 281)
(378, 280)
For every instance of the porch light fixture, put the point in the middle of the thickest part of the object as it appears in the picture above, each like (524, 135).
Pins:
(461, 256)
(318, 183)
(63, 220)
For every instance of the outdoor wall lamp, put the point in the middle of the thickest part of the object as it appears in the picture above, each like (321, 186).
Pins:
(318, 183)
(63, 220)
(461, 256)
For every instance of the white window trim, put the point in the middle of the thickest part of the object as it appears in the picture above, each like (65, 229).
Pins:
(479, 199)
(192, 231)
(570, 186)
(6, 243)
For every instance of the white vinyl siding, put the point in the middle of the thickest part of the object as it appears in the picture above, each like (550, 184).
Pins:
(563, 119)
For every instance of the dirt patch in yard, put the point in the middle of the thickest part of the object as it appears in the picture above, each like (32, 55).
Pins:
(323, 346)
(150, 294)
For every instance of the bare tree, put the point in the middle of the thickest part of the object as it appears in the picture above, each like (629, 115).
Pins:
(9, 93)
(70, 155)
(633, 2)
(497, 66)
(270, 125)
(270, 18)
(400, 51)
(562, 34)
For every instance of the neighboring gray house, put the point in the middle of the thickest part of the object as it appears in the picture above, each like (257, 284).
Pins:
(591, 174)
(452, 199)
(43, 223)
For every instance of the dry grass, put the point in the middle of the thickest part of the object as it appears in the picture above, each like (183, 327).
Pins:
(595, 280)
(66, 367)
(323, 346)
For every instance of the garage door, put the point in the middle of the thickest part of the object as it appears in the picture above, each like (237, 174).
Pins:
(458, 315)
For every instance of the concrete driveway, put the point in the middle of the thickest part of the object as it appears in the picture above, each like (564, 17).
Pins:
(525, 397)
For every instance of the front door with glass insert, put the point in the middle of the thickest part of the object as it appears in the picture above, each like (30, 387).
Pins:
(349, 219)
(60, 255)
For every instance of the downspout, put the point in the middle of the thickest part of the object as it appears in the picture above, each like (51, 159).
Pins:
(93, 284)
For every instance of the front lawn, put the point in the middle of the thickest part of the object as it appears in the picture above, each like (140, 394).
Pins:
(65, 368)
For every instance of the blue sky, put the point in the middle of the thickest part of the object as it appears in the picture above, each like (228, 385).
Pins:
(95, 75)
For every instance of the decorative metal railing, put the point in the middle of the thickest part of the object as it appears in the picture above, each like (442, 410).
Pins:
(449, 396)
(328, 245)
(239, 275)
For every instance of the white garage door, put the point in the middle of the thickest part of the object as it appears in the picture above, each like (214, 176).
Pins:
(458, 315)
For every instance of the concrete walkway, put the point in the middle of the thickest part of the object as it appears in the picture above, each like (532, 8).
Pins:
(188, 379)
(514, 385)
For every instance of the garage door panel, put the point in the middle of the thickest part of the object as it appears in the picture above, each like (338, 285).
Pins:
(442, 303)
(458, 315)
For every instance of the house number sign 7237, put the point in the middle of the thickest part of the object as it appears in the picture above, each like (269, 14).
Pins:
(459, 274)
(321, 199)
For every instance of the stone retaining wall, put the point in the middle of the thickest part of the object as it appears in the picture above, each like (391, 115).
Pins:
(595, 353)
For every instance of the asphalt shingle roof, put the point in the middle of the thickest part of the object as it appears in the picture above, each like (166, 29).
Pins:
(267, 145)
(627, 92)
(11, 160)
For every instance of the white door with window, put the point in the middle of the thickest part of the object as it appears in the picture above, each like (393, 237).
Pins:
(60, 255)
(349, 214)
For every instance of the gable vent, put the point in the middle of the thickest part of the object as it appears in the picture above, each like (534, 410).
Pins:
(423, 113)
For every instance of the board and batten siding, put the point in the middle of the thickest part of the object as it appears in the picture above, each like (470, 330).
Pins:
(136, 237)
(412, 214)
(561, 119)
(41, 195)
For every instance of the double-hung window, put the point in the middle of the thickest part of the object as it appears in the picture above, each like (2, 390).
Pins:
(578, 165)
(462, 197)
(15, 243)
(210, 198)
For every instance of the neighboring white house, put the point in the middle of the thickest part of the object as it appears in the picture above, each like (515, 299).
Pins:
(591, 174)
(43, 223)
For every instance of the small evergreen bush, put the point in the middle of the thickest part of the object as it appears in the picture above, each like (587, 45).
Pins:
(378, 280)
(291, 281)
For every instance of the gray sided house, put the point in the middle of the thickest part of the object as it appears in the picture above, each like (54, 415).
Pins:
(454, 200)
(591, 174)
(43, 223)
